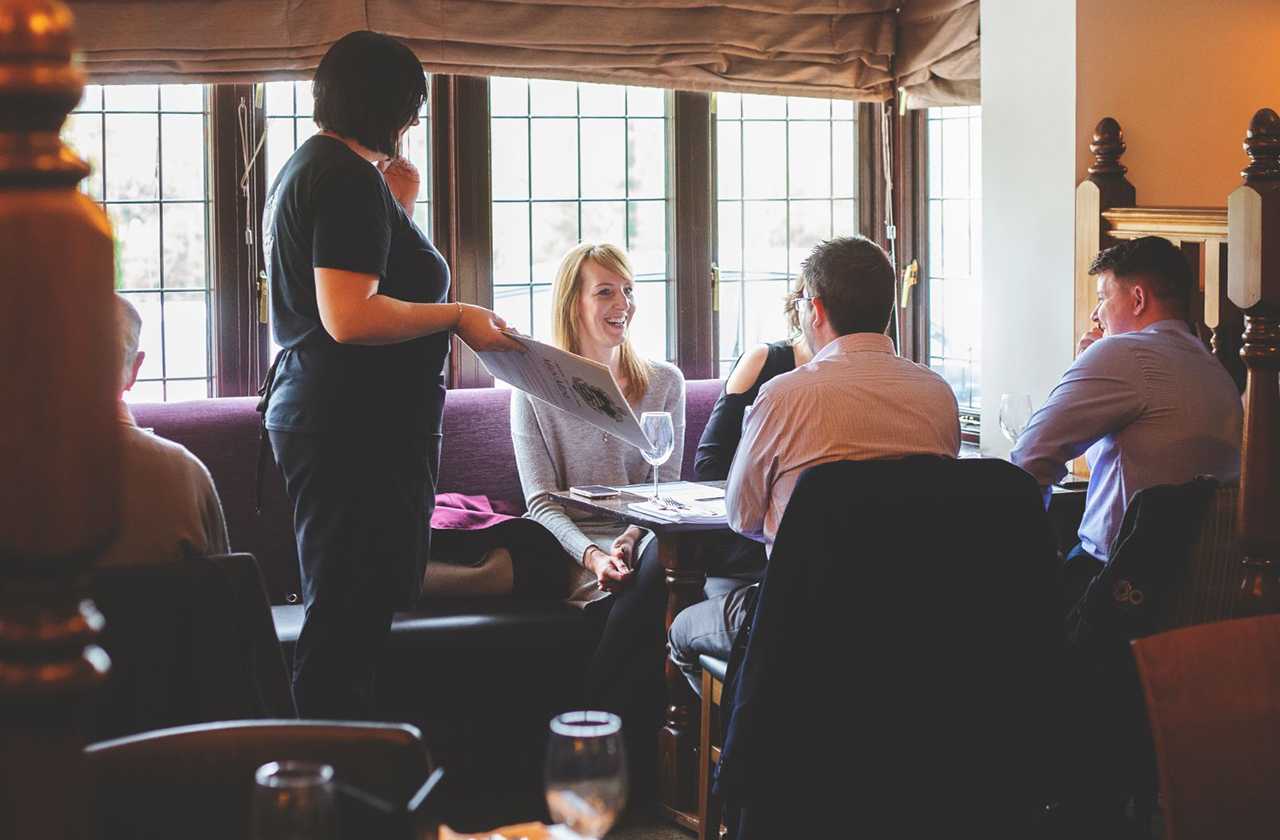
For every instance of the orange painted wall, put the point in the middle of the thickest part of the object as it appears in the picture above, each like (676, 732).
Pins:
(1183, 77)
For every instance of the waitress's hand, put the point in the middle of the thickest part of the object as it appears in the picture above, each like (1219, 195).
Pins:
(483, 330)
(403, 180)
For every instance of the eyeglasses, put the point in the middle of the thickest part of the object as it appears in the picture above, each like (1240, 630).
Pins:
(806, 298)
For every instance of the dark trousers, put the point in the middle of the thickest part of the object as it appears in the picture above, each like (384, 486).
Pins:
(625, 675)
(1106, 747)
(361, 508)
(1079, 568)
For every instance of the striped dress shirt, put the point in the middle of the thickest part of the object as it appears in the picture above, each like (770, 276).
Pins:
(857, 400)
(1146, 407)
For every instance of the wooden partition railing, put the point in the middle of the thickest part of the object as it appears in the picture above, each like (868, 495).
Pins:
(1107, 212)
(1235, 254)
(1253, 223)
(59, 462)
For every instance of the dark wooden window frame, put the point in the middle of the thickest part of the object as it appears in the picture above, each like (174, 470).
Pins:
(461, 199)
(241, 340)
(911, 170)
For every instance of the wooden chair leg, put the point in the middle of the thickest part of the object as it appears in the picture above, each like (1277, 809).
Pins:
(708, 808)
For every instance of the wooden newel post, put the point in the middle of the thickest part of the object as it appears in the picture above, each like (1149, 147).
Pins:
(60, 366)
(1253, 222)
(1105, 188)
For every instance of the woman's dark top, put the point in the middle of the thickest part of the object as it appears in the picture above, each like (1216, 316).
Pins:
(330, 208)
(723, 431)
(739, 557)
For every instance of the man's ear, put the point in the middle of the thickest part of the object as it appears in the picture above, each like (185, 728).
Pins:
(1138, 299)
(137, 366)
(819, 312)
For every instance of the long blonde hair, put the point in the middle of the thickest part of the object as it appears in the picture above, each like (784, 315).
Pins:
(565, 324)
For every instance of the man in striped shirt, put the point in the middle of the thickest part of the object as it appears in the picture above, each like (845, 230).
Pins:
(856, 400)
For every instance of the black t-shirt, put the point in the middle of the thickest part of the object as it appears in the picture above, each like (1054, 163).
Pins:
(330, 208)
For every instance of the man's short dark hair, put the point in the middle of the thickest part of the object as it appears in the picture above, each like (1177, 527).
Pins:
(1157, 261)
(855, 280)
(368, 87)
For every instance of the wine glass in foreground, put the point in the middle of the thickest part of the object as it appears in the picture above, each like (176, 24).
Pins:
(586, 772)
(294, 800)
(1015, 414)
(657, 427)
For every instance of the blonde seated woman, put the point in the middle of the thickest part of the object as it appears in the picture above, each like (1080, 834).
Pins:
(618, 579)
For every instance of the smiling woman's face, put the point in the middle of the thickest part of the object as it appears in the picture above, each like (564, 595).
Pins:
(606, 304)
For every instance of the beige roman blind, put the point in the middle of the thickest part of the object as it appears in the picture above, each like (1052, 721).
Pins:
(836, 48)
(936, 60)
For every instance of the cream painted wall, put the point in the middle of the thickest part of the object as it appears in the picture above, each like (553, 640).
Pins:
(1183, 77)
(1028, 197)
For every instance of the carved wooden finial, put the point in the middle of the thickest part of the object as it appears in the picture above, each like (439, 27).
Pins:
(59, 430)
(39, 85)
(1262, 143)
(1107, 147)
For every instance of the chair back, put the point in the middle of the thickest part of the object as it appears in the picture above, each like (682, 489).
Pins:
(1207, 587)
(1213, 700)
(197, 781)
(189, 642)
(908, 623)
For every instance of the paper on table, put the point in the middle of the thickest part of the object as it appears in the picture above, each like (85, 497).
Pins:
(583, 388)
(701, 512)
(681, 491)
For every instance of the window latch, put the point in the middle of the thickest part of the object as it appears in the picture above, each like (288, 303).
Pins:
(910, 277)
(715, 287)
(264, 297)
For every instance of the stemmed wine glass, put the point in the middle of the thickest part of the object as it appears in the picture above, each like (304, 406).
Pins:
(657, 427)
(586, 779)
(1015, 414)
(294, 800)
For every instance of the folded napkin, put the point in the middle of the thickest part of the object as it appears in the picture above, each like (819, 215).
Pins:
(684, 512)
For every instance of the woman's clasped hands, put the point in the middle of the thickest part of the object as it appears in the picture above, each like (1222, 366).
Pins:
(613, 570)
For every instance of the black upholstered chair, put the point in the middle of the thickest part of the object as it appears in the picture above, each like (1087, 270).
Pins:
(197, 781)
(901, 667)
(189, 642)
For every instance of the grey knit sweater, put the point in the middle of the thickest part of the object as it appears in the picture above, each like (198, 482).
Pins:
(555, 451)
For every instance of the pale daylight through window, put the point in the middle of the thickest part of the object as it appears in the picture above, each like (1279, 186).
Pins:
(148, 149)
(786, 179)
(955, 251)
(576, 162)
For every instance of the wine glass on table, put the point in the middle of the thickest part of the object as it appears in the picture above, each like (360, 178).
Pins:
(657, 427)
(1015, 414)
(586, 776)
(294, 800)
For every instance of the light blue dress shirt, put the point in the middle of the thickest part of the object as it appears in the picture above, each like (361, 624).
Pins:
(1147, 407)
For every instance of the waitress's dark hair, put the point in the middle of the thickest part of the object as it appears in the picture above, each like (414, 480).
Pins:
(368, 87)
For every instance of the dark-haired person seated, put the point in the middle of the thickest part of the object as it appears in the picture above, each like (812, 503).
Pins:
(855, 400)
(169, 505)
(1144, 400)
(737, 559)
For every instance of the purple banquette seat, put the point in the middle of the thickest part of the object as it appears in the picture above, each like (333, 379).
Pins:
(478, 459)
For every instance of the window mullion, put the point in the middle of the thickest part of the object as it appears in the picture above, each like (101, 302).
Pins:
(689, 233)
(462, 202)
(241, 342)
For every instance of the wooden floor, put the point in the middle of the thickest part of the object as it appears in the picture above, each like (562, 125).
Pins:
(649, 827)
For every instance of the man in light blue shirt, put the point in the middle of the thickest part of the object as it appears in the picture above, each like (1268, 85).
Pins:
(1144, 400)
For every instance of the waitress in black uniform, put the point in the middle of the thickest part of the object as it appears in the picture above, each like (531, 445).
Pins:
(354, 404)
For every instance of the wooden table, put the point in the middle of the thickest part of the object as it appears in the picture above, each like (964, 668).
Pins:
(685, 568)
